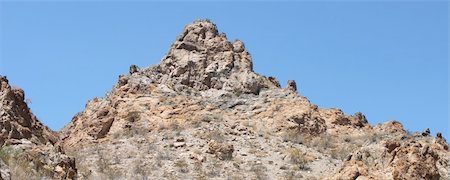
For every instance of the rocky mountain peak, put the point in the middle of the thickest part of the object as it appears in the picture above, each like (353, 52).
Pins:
(203, 113)
(203, 35)
(202, 59)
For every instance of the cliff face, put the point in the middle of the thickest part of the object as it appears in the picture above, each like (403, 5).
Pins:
(27, 146)
(203, 113)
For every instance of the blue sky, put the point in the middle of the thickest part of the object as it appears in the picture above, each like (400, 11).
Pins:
(388, 60)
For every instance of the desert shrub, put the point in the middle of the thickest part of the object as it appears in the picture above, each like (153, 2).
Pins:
(6, 153)
(195, 122)
(215, 135)
(376, 137)
(199, 173)
(260, 171)
(342, 152)
(294, 136)
(163, 155)
(23, 165)
(21, 170)
(323, 143)
(175, 126)
(214, 168)
(235, 176)
(350, 143)
(182, 166)
(170, 128)
(298, 158)
(292, 175)
(340, 146)
(210, 117)
(139, 170)
(133, 116)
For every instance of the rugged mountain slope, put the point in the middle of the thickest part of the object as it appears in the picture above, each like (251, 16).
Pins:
(203, 113)
(17, 121)
(27, 147)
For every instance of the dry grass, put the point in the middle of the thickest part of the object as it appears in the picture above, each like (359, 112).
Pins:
(260, 171)
(215, 135)
(294, 136)
(214, 168)
(199, 173)
(6, 153)
(23, 165)
(323, 143)
(182, 166)
(291, 175)
(339, 147)
(299, 158)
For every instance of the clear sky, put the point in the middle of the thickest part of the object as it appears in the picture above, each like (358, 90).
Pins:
(388, 60)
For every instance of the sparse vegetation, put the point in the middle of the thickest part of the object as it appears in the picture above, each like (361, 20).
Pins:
(260, 171)
(298, 158)
(340, 146)
(294, 136)
(376, 137)
(133, 116)
(199, 173)
(175, 126)
(342, 152)
(163, 155)
(292, 175)
(182, 166)
(214, 168)
(6, 153)
(322, 143)
(24, 165)
(215, 135)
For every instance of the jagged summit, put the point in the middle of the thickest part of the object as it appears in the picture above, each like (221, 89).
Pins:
(203, 59)
(17, 121)
(197, 36)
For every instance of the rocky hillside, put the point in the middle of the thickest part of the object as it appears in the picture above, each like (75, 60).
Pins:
(28, 149)
(203, 113)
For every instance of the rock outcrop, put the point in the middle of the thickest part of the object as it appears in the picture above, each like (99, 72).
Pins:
(16, 120)
(201, 59)
(28, 149)
(412, 157)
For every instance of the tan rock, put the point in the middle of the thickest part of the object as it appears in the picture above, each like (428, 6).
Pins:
(413, 158)
(222, 151)
(391, 127)
(291, 85)
(309, 124)
(16, 119)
